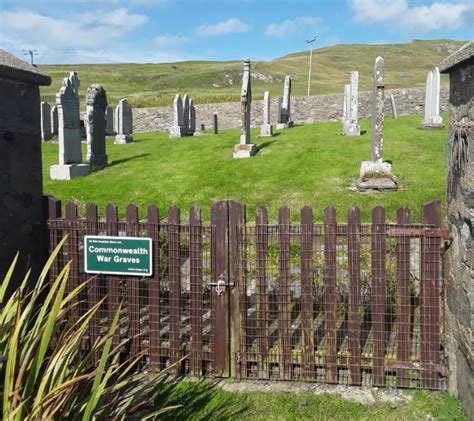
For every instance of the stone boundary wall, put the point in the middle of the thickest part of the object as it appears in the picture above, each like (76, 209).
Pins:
(304, 110)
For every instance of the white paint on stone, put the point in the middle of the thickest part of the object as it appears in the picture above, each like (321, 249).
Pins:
(177, 130)
(432, 118)
(125, 123)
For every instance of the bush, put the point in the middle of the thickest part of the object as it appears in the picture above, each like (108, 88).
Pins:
(44, 371)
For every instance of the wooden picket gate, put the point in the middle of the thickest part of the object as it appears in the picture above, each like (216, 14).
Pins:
(345, 303)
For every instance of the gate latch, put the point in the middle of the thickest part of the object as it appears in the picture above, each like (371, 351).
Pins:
(220, 285)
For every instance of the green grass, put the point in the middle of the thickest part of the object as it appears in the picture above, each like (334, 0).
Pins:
(306, 165)
(150, 85)
(201, 402)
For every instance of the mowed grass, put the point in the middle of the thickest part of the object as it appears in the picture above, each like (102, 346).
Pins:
(201, 402)
(152, 85)
(306, 165)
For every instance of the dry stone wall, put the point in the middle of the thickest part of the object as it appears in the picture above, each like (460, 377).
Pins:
(305, 110)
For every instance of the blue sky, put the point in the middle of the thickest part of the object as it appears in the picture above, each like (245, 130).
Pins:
(151, 31)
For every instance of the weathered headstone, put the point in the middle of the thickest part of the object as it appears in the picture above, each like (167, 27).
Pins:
(96, 105)
(45, 111)
(192, 119)
(266, 129)
(70, 153)
(432, 118)
(215, 124)
(109, 121)
(376, 174)
(285, 111)
(186, 115)
(351, 127)
(75, 82)
(245, 149)
(116, 118)
(346, 107)
(125, 123)
(394, 106)
(177, 129)
(54, 119)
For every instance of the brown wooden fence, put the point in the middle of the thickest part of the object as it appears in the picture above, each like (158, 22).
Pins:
(332, 302)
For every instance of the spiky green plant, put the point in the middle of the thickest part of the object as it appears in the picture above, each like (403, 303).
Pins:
(44, 371)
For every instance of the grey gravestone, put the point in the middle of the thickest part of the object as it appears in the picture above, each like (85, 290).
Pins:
(285, 111)
(109, 121)
(215, 124)
(245, 149)
(394, 106)
(432, 118)
(186, 115)
(116, 118)
(351, 127)
(176, 130)
(75, 82)
(96, 105)
(125, 123)
(266, 129)
(70, 153)
(376, 174)
(45, 111)
(192, 119)
(345, 107)
(54, 119)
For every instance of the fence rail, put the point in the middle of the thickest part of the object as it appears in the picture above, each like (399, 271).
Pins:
(332, 302)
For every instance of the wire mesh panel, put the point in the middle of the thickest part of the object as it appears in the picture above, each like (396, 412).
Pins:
(345, 303)
(166, 317)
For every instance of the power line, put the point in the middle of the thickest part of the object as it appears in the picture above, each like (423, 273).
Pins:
(310, 42)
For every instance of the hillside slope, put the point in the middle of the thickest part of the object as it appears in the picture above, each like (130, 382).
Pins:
(152, 85)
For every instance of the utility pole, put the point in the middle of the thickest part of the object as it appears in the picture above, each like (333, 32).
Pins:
(31, 53)
(310, 42)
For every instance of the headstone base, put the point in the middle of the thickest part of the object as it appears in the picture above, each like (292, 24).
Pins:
(121, 139)
(176, 131)
(431, 126)
(266, 130)
(68, 172)
(376, 176)
(281, 126)
(244, 151)
(98, 161)
(351, 129)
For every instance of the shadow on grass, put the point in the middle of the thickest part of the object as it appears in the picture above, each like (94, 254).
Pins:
(200, 400)
(121, 161)
(264, 145)
(362, 132)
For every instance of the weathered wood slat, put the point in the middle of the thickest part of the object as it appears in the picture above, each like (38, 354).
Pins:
(330, 274)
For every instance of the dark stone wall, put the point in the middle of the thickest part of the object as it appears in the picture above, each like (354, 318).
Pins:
(460, 256)
(21, 184)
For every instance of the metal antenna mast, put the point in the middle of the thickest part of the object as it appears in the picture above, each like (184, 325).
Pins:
(31, 53)
(310, 42)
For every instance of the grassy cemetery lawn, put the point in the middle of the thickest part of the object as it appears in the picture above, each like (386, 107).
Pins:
(306, 165)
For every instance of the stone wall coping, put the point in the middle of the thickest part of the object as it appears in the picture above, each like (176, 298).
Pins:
(12, 67)
(464, 53)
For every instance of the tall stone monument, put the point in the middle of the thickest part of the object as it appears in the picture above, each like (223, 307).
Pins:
(266, 129)
(351, 93)
(192, 119)
(284, 120)
(45, 121)
(109, 121)
(96, 105)
(432, 120)
(70, 153)
(377, 174)
(54, 119)
(177, 129)
(459, 296)
(22, 222)
(125, 123)
(245, 149)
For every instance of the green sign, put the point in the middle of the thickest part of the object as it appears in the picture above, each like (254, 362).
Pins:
(130, 256)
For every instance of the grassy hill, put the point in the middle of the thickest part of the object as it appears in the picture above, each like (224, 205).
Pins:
(152, 85)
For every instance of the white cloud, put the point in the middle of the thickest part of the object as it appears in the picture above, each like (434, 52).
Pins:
(424, 18)
(84, 31)
(229, 26)
(165, 41)
(290, 26)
